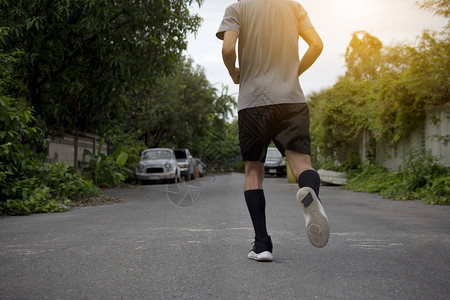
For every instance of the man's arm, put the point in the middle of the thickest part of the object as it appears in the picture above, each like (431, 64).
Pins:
(229, 54)
(315, 48)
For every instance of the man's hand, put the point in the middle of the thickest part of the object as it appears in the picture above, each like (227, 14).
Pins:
(229, 55)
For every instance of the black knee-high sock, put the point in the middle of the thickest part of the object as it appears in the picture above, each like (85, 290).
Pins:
(256, 203)
(309, 178)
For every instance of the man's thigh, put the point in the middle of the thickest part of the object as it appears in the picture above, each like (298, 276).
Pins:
(286, 124)
(254, 130)
(291, 128)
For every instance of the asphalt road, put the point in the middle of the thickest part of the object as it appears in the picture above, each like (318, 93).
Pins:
(190, 241)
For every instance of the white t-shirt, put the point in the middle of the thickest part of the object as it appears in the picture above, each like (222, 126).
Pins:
(268, 49)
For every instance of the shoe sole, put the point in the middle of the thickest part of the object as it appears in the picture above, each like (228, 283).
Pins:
(263, 256)
(317, 225)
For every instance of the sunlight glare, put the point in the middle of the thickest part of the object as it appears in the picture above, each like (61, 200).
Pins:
(354, 6)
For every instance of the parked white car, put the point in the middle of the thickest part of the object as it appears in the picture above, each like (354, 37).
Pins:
(158, 164)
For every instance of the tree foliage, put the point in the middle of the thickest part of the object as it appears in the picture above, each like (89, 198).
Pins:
(340, 114)
(182, 110)
(176, 107)
(386, 91)
(108, 67)
(82, 56)
(438, 7)
(28, 184)
(362, 56)
(385, 95)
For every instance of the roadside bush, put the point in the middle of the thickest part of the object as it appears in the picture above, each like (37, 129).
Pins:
(128, 143)
(427, 179)
(134, 156)
(51, 189)
(370, 179)
(29, 184)
(106, 171)
(422, 178)
(421, 169)
(437, 191)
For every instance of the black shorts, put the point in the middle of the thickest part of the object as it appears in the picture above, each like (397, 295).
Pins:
(286, 124)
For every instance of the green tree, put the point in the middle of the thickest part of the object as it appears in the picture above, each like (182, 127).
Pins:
(387, 94)
(339, 115)
(81, 57)
(438, 7)
(362, 56)
(179, 111)
(413, 85)
(221, 150)
(27, 183)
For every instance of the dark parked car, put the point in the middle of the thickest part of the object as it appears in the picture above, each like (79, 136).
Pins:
(158, 164)
(275, 163)
(185, 163)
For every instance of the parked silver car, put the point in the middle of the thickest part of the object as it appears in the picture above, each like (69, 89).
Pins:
(158, 164)
(185, 163)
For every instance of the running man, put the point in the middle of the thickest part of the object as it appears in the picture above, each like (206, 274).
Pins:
(272, 106)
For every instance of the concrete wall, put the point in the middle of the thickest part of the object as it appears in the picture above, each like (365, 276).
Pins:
(432, 136)
(438, 134)
(69, 147)
(392, 157)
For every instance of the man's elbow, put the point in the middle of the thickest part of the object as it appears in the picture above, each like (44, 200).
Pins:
(227, 51)
(317, 46)
(228, 54)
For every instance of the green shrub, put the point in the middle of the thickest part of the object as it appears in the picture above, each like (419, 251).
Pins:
(106, 171)
(421, 169)
(50, 189)
(370, 179)
(126, 143)
(134, 156)
(437, 191)
(422, 178)
(28, 184)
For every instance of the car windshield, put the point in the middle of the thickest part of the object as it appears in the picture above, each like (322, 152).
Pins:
(157, 154)
(273, 153)
(180, 154)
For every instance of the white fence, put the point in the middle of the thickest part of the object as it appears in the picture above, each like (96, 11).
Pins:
(69, 147)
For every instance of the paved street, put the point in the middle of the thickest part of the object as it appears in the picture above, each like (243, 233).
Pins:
(190, 241)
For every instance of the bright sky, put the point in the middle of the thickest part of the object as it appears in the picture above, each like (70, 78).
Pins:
(335, 20)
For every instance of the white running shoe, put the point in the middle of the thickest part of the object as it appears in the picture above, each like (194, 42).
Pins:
(317, 225)
(263, 256)
(262, 250)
